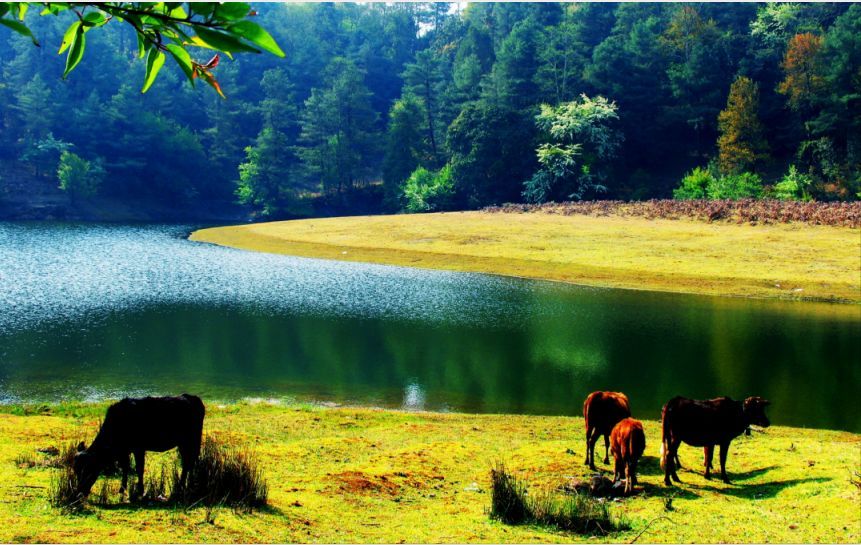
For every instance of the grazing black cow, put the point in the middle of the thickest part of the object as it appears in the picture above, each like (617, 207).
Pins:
(706, 424)
(134, 426)
(602, 411)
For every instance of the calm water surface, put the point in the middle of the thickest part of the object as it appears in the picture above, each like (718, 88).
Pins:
(102, 311)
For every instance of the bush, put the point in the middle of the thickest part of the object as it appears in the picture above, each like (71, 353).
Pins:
(580, 513)
(694, 185)
(746, 185)
(795, 186)
(426, 191)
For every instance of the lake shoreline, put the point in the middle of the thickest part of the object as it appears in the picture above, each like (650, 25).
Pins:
(466, 242)
(349, 474)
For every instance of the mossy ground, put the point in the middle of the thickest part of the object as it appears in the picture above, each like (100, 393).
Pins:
(792, 261)
(369, 475)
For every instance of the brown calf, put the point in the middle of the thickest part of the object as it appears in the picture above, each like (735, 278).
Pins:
(706, 424)
(627, 442)
(602, 411)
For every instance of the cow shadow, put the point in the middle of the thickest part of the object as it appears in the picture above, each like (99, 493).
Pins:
(660, 490)
(649, 465)
(760, 490)
(173, 506)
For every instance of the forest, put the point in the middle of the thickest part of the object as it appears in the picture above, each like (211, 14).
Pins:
(382, 108)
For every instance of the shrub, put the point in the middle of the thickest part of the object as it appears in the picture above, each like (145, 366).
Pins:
(746, 185)
(580, 513)
(694, 185)
(426, 190)
(795, 186)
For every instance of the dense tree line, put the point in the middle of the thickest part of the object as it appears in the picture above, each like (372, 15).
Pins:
(424, 107)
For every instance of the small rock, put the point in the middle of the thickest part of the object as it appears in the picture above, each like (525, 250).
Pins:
(793, 526)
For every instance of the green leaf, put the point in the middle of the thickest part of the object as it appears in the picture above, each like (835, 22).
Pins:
(76, 51)
(54, 8)
(223, 41)
(94, 18)
(232, 11)
(69, 36)
(182, 58)
(22, 10)
(256, 35)
(19, 27)
(154, 62)
(141, 46)
(4, 7)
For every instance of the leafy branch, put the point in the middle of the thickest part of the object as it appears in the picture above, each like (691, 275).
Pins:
(162, 29)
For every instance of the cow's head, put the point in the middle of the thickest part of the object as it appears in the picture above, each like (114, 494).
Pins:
(87, 467)
(754, 411)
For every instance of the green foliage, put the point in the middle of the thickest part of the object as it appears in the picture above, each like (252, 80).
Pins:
(735, 186)
(405, 144)
(694, 185)
(160, 28)
(701, 183)
(582, 141)
(794, 186)
(427, 191)
(78, 176)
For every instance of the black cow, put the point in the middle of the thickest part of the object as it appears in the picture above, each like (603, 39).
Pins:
(706, 424)
(134, 426)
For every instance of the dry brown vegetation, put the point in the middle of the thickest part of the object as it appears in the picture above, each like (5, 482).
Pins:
(752, 211)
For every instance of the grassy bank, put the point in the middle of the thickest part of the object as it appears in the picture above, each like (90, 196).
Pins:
(793, 261)
(366, 475)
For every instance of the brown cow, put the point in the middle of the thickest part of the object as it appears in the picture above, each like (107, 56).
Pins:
(627, 442)
(706, 424)
(602, 411)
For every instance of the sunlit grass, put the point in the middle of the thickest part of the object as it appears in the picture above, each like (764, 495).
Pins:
(366, 475)
(784, 260)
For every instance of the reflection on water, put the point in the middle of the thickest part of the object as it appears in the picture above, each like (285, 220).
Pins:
(94, 311)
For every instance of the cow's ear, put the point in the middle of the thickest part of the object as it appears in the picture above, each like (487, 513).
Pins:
(82, 447)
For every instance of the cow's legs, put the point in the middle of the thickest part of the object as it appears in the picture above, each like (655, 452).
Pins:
(629, 477)
(589, 461)
(139, 468)
(708, 453)
(672, 455)
(724, 450)
(591, 451)
(678, 462)
(189, 455)
(606, 448)
(124, 465)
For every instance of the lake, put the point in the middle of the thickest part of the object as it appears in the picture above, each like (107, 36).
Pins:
(91, 311)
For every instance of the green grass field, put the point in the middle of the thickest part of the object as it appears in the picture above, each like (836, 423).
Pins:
(367, 475)
(792, 261)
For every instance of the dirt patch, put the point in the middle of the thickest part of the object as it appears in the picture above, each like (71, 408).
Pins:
(391, 484)
(357, 482)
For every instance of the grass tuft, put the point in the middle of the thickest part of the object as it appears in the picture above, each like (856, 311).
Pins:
(224, 475)
(579, 513)
(63, 487)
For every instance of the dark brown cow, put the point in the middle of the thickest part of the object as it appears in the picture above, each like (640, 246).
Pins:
(706, 424)
(627, 443)
(134, 426)
(602, 411)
